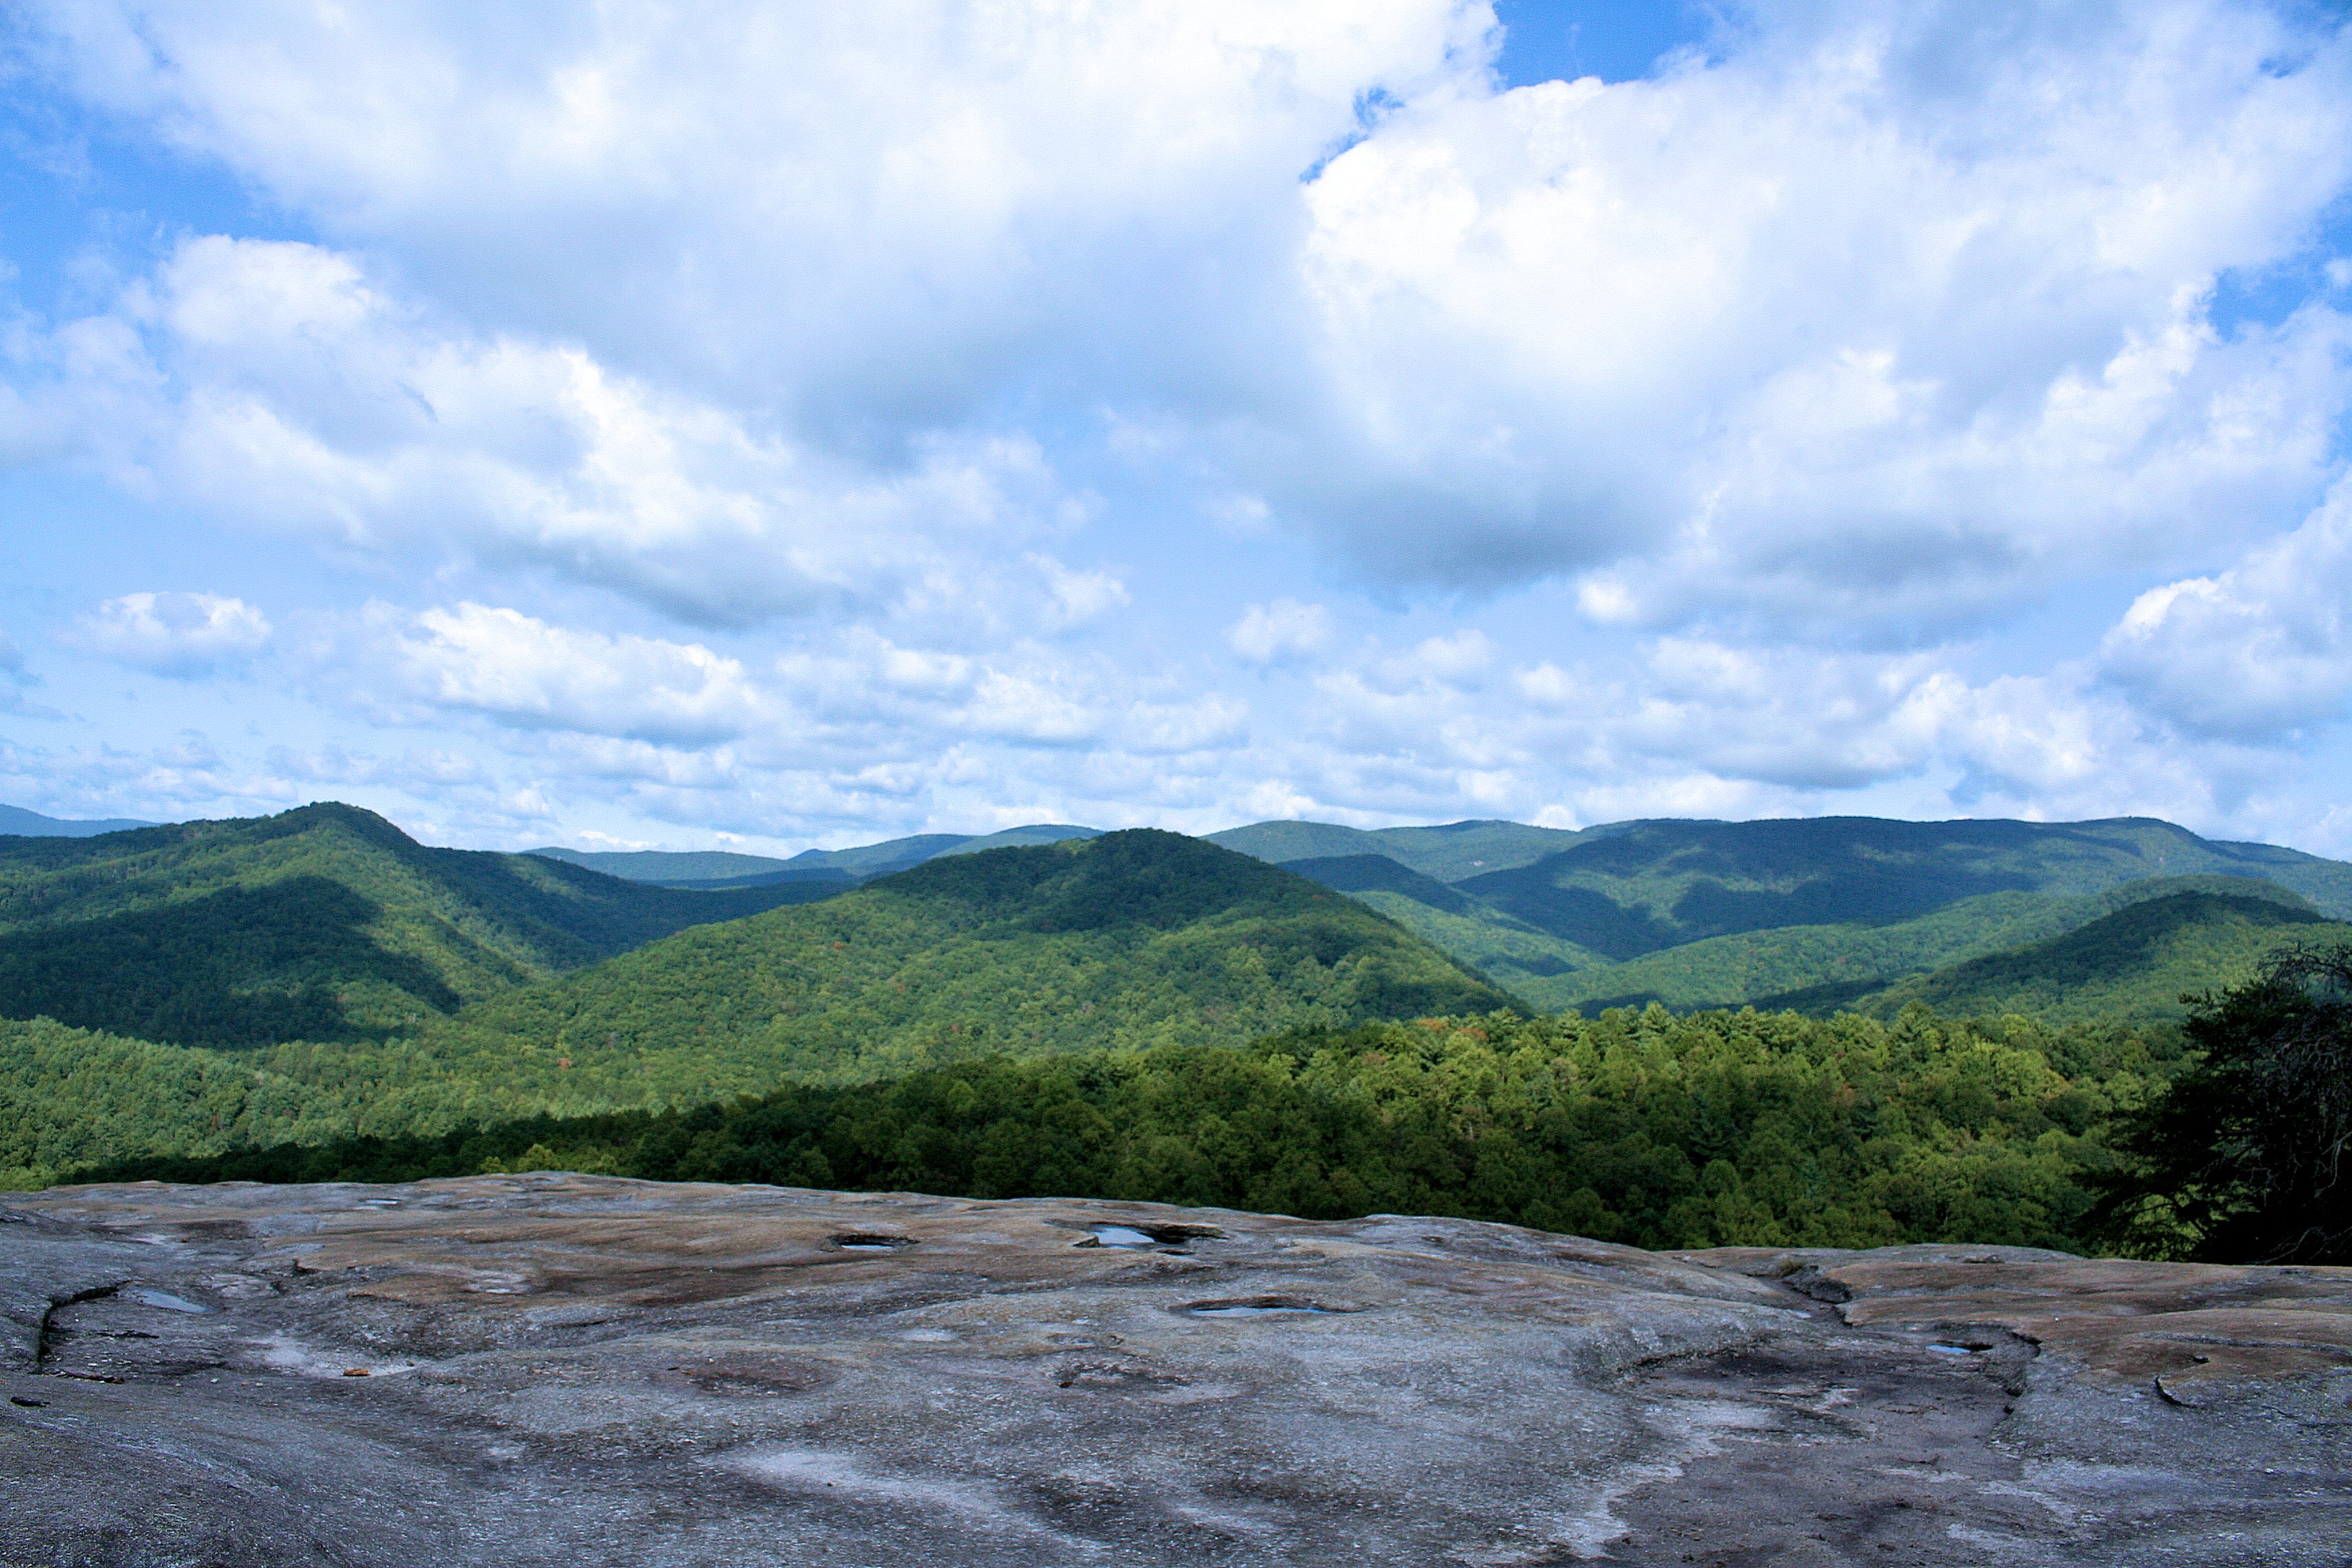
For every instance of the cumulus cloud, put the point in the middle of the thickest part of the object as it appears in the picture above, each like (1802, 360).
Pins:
(1078, 597)
(648, 712)
(291, 390)
(936, 193)
(181, 635)
(524, 672)
(1283, 630)
(1863, 328)
(2261, 649)
(184, 776)
(1875, 323)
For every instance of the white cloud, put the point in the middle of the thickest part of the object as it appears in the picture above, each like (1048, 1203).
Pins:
(181, 634)
(184, 775)
(858, 216)
(1865, 329)
(307, 398)
(524, 672)
(2261, 649)
(1456, 661)
(1284, 629)
(1871, 328)
(1079, 597)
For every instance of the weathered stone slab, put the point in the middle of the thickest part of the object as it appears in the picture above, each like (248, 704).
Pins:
(560, 1369)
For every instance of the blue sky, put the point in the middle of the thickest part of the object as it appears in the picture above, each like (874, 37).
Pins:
(772, 427)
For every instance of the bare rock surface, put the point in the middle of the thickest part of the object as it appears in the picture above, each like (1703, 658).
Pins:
(556, 1369)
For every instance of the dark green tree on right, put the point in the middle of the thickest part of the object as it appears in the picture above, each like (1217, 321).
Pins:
(2242, 1159)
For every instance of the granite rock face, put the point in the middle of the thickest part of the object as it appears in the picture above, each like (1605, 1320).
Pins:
(554, 1369)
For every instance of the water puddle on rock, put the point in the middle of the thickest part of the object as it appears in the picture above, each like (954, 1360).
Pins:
(1258, 1307)
(147, 1296)
(1121, 1236)
(1941, 1349)
(862, 1241)
(1168, 1238)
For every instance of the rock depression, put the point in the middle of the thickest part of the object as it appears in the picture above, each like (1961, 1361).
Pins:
(562, 1370)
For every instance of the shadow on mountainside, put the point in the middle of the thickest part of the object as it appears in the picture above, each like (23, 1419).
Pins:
(242, 966)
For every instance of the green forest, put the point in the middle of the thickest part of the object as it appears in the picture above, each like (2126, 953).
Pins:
(1665, 1131)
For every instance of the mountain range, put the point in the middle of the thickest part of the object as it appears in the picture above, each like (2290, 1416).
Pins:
(323, 923)
(1815, 913)
(345, 928)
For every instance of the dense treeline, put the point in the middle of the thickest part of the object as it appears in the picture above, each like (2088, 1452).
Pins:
(1665, 1132)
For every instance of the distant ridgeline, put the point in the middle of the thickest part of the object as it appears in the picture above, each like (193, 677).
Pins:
(1831, 914)
(840, 868)
(16, 821)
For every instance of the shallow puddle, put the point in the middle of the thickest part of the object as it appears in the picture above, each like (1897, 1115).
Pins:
(1258, 1307)
(1172, 1238)
(860, 1241)
(147, 1296)
(1122, 1235)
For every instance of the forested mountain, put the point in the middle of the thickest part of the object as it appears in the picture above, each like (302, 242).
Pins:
(1131, 940)
(2135, 964)
(844, 868)
(1820, 911)
(1659, 884)
(330, 924)
(323, 923)
(1127, 940)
